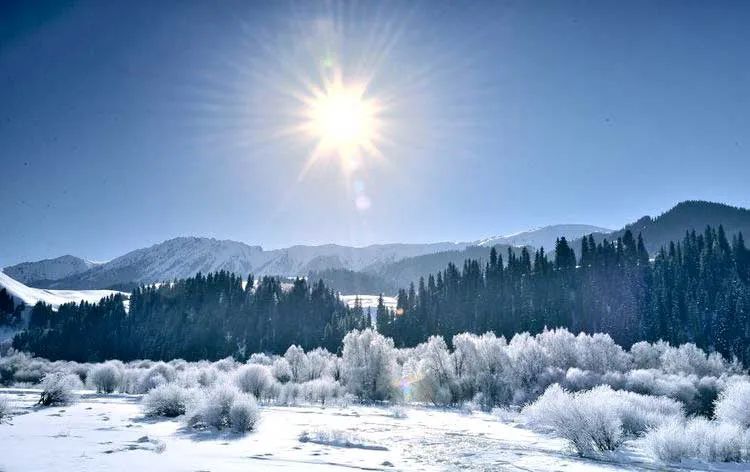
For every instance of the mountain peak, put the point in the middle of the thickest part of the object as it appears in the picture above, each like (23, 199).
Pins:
(544, 236)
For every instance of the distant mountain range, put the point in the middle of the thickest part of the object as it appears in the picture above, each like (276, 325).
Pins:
(392, 265)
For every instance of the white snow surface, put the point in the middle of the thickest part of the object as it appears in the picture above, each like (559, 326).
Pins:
(30, 296)
(543, 237)
(368, 301)
(109, 432)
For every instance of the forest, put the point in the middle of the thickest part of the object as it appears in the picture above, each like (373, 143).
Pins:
(694, 290)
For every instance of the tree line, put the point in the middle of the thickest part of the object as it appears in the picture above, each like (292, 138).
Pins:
(203, 317)
(695, 290)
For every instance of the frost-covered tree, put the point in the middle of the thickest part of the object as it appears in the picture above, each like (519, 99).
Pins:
(254, 379)
(298, 363)
(437, 379)
(369, 365)
(107, 377)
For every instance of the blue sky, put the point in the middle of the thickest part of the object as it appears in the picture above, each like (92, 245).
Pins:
(122, 125)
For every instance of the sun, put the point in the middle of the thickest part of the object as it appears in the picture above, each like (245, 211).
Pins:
(343, 120)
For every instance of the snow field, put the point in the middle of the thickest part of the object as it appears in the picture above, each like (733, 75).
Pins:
(564, 397)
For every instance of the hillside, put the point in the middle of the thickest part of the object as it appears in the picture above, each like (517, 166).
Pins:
(31, 296)
(543, 237)
(403, 272)
(685, 216)
(185, 256)
(43, 272)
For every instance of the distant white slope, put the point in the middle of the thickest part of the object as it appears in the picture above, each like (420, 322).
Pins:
(185, 256)
(544, 237)
(30, 296)
(368, 301)
(49, 269)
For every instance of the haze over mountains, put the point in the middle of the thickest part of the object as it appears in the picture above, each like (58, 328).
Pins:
(391, 265)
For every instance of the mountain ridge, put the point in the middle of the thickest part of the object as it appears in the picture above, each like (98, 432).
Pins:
(184, 256)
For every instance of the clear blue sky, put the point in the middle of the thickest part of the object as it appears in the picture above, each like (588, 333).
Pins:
(126, 123)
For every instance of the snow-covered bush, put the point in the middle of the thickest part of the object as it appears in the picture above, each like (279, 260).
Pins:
(588, 420)
(298, 363)
(397, 411)
(599, 353)
(437, 384)
(646, 355)
(169, 400)
(289, 394)
(323, 390)
(81, 370)
(338, 438)
(244, 414)
(20, 368)
(369, 365)
(260, 358)
(254, 379)
(528, 360)
(105, 377)
(227, 364)
(733, 404)
(577, 379)
(640, 413)
(561, 346)
(689, 359)
(160, 373)
(207, 376)
(698, 438)
(224, 406)
(281, 370)
(320, 363)
(599, 419)
(491, 371)
(58, 387)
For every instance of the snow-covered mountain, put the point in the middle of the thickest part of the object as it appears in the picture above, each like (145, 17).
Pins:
(185, 256)
(543, 237)
(49, 269)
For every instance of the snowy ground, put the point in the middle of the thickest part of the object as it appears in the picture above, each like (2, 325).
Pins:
(109, 432)
(30, 296)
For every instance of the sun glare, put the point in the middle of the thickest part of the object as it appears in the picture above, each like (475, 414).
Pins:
(343, 120)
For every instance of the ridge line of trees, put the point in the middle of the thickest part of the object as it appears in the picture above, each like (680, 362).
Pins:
(696, 290)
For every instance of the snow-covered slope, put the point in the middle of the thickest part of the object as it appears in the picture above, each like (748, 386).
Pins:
(30, 296)
(543, 237)
(185, 256)
(368, 301)
(48, 269)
